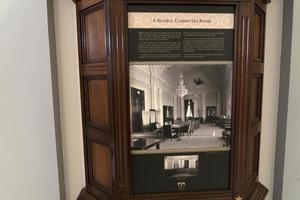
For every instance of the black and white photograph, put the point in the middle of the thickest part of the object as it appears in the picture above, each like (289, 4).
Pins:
(180, 106)
(181, 166)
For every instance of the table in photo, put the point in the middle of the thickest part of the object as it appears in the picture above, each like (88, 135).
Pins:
(144, 143)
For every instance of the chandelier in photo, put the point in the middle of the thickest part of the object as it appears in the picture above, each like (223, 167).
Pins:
(181, 89)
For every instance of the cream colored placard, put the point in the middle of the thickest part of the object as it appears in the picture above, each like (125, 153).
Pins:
(159, 20)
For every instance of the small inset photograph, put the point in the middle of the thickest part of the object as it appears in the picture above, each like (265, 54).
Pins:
(181, 166)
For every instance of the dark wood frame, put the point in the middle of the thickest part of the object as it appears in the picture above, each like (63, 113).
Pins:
(111, 65)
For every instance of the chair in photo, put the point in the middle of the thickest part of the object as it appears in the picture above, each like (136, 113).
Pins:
(168, 132)
(194, 126)
(158, 129)
(186, 129)
(191, 127)
(227, 130)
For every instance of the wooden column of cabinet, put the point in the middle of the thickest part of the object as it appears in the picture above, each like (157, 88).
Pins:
(104, 77)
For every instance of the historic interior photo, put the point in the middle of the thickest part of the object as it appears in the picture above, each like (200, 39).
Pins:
(180, 106)
(181, 166)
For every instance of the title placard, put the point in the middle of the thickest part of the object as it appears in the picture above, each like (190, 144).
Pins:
(145, 20)
(181, 36)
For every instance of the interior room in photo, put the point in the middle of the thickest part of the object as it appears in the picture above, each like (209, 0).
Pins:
(178, 166)
(181, 105)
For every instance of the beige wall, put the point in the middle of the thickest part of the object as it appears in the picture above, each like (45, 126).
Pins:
(28, 152)
(69, 96)
(270, 94)
(70, 101)
(291, 174)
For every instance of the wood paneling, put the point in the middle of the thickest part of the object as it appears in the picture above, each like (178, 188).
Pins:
(255, 98)
(258, 29)
(96, 102)
(253, 155)
(93, 31)
(241, 99)
(93, 43)
(101, 165)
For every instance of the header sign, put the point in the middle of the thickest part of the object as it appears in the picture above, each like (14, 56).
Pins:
(156, 20)
(178, 35)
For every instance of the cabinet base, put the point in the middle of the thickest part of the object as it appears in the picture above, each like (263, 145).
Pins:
(259, 192)
(84, 195)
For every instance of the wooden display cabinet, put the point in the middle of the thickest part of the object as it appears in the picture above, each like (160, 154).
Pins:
(104, 40)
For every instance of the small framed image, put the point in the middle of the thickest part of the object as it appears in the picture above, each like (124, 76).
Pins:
(181, 166)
